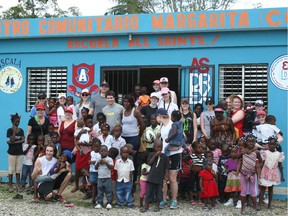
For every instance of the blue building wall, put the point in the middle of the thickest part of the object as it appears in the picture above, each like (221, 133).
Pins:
(258, 43)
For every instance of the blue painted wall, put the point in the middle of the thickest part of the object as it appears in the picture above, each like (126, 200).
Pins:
(231, 47)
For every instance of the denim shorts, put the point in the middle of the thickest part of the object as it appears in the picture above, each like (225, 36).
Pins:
(93, 177)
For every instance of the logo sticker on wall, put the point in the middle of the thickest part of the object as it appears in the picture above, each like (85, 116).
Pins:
(10, 79)
(83, 77)
(279, 72)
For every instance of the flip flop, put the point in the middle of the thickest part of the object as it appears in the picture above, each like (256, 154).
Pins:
(69, 205)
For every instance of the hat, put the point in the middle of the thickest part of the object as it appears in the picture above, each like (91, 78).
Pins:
(69, 155)
(42, 95)
(85, 91)
(161, 111)
(259, 103)
(209, 100)
(185, 100)
(156, 82)
(240, 97)
(40, 106)
(104, 83)
(164, 79)
(154, 94)
(261, 112)
(61, 95)
(165, 91)
(69, 109)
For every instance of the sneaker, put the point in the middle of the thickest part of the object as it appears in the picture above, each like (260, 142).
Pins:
(229, 203)
(163, 204)
(238, 206)
(108, 206)
(173, 204)
(98, 206)
(266, 200)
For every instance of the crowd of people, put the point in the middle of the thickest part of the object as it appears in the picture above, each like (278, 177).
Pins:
(225, 154)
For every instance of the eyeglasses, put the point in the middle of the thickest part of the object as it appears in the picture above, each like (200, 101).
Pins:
(40, 109)
(85, 95)
(41, 98)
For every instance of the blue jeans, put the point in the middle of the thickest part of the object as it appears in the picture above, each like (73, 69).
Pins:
(124, 193)
(26, 171)
(104, 186)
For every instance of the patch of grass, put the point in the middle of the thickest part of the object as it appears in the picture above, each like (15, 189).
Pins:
(83, 204)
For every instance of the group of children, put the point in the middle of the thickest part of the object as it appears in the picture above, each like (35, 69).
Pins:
(211, 172)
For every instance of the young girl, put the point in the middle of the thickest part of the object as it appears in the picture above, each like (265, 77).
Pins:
(70, 103)
(94, 158)
(52, 112)
(208, 184)
(212, 145)
(233, 184)
(249, 168)
(176, 136)
(101, 118)
(48, 136)
(15, 151)
(197, 165)
(145, 169)
(105, 137)
(272, 159)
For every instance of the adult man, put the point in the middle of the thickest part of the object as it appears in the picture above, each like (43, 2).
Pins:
(99, 101)
(42, 167)
(164, 83)
(112, 110)
(42, 99)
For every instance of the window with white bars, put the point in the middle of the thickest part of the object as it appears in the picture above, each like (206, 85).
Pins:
(248, 80)
(51, 80)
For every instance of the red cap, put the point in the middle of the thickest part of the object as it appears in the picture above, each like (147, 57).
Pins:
(40, 106)
(156, 82)
(69, 109)
(261, 112)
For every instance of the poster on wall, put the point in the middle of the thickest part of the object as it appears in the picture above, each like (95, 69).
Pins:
(10, 79)
(279, 72)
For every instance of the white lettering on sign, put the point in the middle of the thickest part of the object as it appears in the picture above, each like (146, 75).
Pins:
(200, 87)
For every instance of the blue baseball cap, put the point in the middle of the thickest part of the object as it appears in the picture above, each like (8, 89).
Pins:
(161, 111)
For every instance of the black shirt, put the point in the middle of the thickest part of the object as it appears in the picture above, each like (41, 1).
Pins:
(158, 168)
(147, 111)
(38, 129)
(188, 126)
(15, 149)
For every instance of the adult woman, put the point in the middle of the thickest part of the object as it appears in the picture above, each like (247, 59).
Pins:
(84, 102)
(131, 119)
(206, 117)
(38, 125)
(167, 103)
(222, 128)
(61, 107)
(190, 121)
(238, 114)
(66, 131)
(42, 167)
(175, 158)
(198, 109)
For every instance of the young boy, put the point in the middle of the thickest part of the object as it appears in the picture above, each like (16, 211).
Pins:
(117, 141)
(104, 185)
(113, 153)
(124, 168)
(155, 127)
(159, 163)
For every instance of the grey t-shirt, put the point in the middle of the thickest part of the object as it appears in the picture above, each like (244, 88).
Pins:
(97, 103)
(113, 114)
(103, 170)
(208, 116)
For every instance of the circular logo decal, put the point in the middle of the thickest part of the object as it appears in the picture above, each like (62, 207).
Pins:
(10, 79)
(279, 72)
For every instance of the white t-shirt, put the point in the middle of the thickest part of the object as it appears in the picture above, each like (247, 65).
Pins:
(94, 156)
(164, 134)
(264, 131)
(28, 158)
(60, 112)
(107, 141)
(170, 107)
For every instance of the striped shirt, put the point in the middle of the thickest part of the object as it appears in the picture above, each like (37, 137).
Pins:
(197, 161)
(249, 163)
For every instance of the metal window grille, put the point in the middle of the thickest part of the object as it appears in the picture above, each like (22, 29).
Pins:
(122, 80)
(249, 80)
(52, 81)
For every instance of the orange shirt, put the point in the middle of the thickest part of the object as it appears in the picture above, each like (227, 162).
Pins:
(144, 100)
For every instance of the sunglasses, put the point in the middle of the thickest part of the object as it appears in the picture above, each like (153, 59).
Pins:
(85, 95)
(41, 98)
(40, 109)
(209, 104)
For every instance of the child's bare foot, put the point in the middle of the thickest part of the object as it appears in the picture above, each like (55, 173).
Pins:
(74, 189)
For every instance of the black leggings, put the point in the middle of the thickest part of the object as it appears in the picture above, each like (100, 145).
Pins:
(195, 180)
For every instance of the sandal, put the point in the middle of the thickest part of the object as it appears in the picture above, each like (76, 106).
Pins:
(200, 203)
(143, 209)
(69, 205)
(18, 196)
(193, 203)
